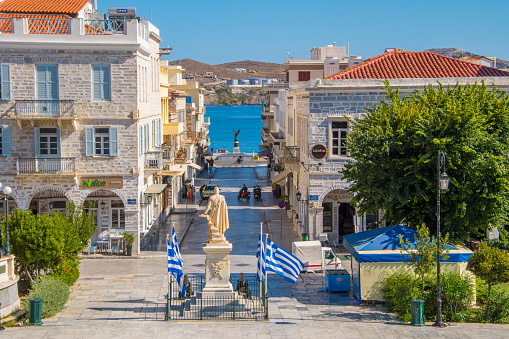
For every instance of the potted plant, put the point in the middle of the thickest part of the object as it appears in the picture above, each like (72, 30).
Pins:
(128, 239)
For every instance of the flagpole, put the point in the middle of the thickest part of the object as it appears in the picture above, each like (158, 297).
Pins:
(265, 263)
(260, 258)
(169, 275)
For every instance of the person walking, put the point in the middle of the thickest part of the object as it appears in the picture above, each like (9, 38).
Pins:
(193, 193)
(189, 190)
(212, 162)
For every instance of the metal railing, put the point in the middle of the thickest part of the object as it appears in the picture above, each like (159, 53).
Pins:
(291, 154)
(104, 27)
(277, 84)
(189, 137)
(181, 156)
(46, 166)
(168, 152)
(48, 26)
(45, 109)
(247, 303)
(154, 160)
(5, 25)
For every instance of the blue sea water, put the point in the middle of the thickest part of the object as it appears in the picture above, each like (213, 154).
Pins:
(225, 119)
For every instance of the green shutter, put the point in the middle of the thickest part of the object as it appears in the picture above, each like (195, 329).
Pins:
(58, 142)
(114, 141)
(6, 141)
(5, 90)
(89, 141)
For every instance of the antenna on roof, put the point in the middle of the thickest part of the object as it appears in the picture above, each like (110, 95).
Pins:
(164, 51)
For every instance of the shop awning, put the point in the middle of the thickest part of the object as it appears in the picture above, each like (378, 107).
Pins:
(281, 176)
(175, 170)
(155, 189)
(195, 166)
(173, 173)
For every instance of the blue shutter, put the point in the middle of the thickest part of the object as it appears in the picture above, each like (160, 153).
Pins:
(41, 82)
(6, 141)
(106, 82)
(114, 141)
(36, 142)
(89, 141)
(52, 82)
(58, 142)
(6, 82)
(96, 83)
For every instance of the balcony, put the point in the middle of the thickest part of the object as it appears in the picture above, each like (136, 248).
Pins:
(173, 128)
(46, 166)
(43, 109)
(265, 134)
(291, 154)
(189, 137)
(168, 154)
(202, 134)
(154, 160)
(181, 156)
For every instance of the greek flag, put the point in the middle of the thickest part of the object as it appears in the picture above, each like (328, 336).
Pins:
(175, 261)
(260, 272)
(283, 263)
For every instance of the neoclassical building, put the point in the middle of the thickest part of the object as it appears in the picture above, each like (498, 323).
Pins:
(314, 124)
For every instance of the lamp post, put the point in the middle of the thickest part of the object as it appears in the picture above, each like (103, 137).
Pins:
(305, 218)
(442, 185)
(6, 190)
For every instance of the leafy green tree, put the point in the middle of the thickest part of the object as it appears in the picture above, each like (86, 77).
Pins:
(491, 264)
(394, 150)
(423, 255)
(43, 243)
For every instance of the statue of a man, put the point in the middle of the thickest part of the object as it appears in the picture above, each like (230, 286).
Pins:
(217, 221)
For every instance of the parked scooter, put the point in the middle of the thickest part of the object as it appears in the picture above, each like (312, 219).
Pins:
(244, 195)
(257, 193)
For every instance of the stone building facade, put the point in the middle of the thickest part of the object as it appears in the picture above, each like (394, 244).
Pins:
(82, 121)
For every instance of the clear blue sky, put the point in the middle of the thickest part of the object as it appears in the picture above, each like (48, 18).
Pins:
(219, 31)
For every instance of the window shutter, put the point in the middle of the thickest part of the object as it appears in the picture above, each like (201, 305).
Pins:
(58, 142)
(6, 141)
(52, 82)
(114, 141)
(89, 141)
(106, 82)
(158, 132)
(96, 83)
(41, 82)
(6, 82)
(36, 141)
(146, 138)
(141, 140)
(154, 132)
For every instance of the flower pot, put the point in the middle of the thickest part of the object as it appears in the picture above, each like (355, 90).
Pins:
(129, 250)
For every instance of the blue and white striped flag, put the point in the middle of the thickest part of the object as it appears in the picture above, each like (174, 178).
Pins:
(260, 272)
(283, 263)
(175, 261)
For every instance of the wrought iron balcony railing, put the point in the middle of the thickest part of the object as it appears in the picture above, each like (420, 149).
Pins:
(104, 27)
(168, 153)
(154, 160)
(46, 166)
(181, 156)
(45, 109)
(291, 154)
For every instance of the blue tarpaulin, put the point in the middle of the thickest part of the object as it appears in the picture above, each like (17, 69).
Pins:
(382, 245)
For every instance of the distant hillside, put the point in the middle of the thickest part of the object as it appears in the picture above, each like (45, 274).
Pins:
(457, 53)
(254, 69)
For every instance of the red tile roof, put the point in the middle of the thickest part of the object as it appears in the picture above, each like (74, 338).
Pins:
(398, 65)
(70, 7)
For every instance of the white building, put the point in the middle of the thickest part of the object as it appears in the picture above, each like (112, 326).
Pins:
(80, 113)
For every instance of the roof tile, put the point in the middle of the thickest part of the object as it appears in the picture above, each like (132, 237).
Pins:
(70, 7)
(398, 65)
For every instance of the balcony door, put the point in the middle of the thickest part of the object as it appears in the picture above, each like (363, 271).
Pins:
(47, 90)
(47, 149)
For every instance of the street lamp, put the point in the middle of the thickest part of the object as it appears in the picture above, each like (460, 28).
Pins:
(442, 185)
(6, 190)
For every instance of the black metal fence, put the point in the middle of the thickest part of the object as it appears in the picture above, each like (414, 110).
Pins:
(247, 303)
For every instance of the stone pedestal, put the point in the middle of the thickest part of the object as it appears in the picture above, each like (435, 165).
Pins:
(236, 149)
(217, 269)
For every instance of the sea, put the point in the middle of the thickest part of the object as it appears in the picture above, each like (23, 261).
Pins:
(225, 119)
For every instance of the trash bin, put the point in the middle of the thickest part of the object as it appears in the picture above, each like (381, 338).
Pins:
(417, 312)
(305, 236)
(338, 281)
(35, 312)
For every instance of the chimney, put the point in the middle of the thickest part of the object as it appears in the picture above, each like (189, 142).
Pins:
(94, 5)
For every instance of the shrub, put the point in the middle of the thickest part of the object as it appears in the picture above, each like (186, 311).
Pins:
(498, 312)
(67, 270)
(398, 289)
(53, 292)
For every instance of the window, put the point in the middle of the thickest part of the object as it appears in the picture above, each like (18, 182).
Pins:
(5, 141)
(91, 206)
(117, 214)
(101, 82)
(47, 82)
(101, 141)
(327, 216)
(372, 220)
(339, 131)
(49, 144)
(304, 76)
(5, 82)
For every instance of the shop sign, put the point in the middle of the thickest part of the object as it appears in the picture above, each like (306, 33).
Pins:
(319, 151)
(313, 197)
(111, 182)
(131, 201)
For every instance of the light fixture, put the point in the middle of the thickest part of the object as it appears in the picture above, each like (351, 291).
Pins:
(299, 195)
(444, 182)
(103, 204)
(149, 199)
